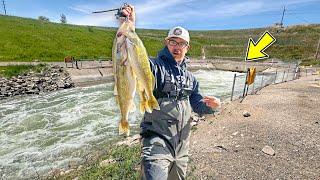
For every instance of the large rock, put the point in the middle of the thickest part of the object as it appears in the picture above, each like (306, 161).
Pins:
(268, 150)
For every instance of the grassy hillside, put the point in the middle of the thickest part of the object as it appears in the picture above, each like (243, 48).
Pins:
(25, 39)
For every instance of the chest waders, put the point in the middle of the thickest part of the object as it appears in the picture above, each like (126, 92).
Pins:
(165, 132)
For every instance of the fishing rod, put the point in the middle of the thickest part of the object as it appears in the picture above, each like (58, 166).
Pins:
(118, 14)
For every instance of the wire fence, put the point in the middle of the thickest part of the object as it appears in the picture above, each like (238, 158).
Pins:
(279, 75)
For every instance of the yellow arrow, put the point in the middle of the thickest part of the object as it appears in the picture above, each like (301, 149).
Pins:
(255, 50)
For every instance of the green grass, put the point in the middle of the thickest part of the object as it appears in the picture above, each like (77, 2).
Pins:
(24, 39)
(125, 166)
(312, 61)
(15, 70)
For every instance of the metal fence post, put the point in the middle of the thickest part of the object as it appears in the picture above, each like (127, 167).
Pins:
(245, 83)
(284, 72)
(247, 90)
(252, 92)
(295, 73)
(306, 72)
(276, 76)
(234, 81)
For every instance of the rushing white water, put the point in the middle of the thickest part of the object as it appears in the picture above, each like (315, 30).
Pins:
(44, 132)
(215, 83)
(39, 133)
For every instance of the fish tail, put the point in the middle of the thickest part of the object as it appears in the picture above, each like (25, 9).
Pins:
(145, 106)
(142, 107)
(124, 127)
(152, 104)
(143, 101)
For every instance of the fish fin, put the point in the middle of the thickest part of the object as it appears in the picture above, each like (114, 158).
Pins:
(124, 127)
(148, 102)
(147, 106)
(153, 104)
(123, 55)
(133, 107)
(115, 91)
(143, 102)
(129, 41)
(142, 107)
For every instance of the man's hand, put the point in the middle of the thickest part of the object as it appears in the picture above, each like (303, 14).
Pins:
(212, 102)
(129, 12)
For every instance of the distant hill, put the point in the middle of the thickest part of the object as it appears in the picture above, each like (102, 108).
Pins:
(24, 39)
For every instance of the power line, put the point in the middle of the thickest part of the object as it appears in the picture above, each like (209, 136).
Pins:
(303, 11)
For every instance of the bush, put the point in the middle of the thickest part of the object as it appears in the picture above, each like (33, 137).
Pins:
(43, 18)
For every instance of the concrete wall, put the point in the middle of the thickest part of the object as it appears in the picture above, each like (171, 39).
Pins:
(96, 72)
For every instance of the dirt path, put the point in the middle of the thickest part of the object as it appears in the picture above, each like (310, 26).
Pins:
(285, 117)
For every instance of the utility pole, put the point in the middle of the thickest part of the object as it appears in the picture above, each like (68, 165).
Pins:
(284, 9)
(4, 7)
(317, 52)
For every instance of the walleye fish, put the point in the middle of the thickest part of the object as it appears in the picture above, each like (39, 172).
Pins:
(125, 81)
(139, 61)
(131, 68)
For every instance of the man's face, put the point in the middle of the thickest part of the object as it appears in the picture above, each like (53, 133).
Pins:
(178, 48)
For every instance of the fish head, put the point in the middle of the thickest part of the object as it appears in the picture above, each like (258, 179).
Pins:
(126, 26)
(127, 29)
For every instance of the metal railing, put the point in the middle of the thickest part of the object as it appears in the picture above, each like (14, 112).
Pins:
(279, 75)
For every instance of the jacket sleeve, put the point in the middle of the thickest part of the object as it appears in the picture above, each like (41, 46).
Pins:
(196, 102)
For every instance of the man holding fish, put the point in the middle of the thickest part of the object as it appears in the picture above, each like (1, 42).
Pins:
(165, 128)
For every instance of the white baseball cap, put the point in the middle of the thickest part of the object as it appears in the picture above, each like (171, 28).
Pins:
(179, 32)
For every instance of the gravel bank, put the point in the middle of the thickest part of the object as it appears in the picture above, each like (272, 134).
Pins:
(285, 118)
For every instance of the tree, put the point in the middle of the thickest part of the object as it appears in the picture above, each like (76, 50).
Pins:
(43, 18)
(63, 19)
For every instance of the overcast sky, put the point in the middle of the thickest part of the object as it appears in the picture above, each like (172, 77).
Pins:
(163, 14)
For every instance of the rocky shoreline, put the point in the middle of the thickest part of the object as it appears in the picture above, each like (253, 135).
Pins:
(51, 78)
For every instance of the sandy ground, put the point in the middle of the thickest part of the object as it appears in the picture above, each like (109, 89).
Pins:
(285, 117)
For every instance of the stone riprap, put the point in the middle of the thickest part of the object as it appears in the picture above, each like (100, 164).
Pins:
(50, 79)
